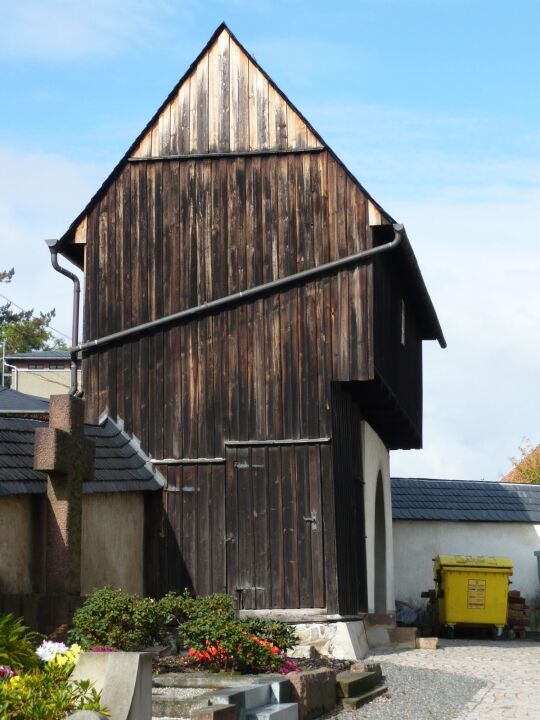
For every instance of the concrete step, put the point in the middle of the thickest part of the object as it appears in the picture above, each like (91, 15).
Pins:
(274, 711)
(353, 703)
(169, 702)
(244, 696)
(353, 684)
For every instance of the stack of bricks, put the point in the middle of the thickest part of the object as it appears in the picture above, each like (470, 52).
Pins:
(518, 613)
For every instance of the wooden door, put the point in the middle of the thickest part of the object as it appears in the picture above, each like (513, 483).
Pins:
(274, 534)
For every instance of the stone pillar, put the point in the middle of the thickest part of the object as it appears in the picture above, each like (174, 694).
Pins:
(67, 456)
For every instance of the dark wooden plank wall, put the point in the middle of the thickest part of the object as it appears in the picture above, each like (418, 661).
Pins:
(398, 365)
(201, 230)
(186, 232)
(350, 534)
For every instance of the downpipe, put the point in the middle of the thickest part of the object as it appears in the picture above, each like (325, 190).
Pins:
(52, 245)
(243, 295)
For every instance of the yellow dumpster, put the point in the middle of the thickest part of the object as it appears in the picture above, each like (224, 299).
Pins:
(472, 590)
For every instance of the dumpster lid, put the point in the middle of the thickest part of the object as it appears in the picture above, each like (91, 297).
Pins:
(473, 561)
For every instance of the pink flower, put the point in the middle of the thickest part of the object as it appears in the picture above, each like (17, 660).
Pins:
(6, 672)
(103, 649)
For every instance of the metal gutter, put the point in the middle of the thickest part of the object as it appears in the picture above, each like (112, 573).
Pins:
(250, 293)
(53, 245)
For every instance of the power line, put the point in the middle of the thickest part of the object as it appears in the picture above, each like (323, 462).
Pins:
(59, 332)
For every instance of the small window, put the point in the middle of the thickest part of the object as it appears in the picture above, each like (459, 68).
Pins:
(52, 366)
(36, 366)
(403, 321)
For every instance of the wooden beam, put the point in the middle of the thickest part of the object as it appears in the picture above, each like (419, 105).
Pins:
(218, 155)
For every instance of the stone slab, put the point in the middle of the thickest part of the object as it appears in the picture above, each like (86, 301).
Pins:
(352, 684)
(368, 666)
(427, 643)
(124, 679)
(281, 711)
(216, 712)
(314, 691)
(356, 702)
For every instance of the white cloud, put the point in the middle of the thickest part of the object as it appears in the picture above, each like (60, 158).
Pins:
(40, 195)
(72, 29)
(481, 263)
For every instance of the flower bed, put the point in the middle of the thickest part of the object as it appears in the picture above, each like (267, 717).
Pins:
(35, 685)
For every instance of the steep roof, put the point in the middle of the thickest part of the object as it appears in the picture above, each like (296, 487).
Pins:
(13, 402)
(120, 464)
(462, 500)
(216, 108)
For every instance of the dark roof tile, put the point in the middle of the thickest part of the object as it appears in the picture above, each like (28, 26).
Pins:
(120, 463)
(465, 500)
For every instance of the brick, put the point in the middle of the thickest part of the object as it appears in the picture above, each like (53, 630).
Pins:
(314, 691)
(216, 712)
(352, 684)
(427, 643)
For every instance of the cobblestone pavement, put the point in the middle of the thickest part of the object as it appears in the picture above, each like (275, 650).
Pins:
(510, 670)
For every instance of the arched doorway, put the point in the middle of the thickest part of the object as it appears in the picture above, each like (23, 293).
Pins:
(380, 548)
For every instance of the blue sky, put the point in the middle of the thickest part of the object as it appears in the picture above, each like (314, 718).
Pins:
(433, 104)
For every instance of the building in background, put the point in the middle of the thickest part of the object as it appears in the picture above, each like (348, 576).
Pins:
(41, 373)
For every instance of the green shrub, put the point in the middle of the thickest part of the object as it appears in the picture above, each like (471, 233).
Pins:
(46, 694)
(206, 625)
(219, 640)
(278, 633)
(17, 644)
(116, 618)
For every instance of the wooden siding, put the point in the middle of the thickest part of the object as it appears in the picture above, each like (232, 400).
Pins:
(228, 189)
(227, 104)
(350, 530)
(171, 235)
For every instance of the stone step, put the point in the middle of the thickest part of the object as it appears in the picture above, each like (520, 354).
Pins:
(168, 702)
(274, 711)
(353, 703)
(353, 684)
(249, 696)
(245, 696)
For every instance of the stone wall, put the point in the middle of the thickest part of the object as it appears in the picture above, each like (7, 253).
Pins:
(16, 519)
(112, 542)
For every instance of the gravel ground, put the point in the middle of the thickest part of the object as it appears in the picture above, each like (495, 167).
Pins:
(418, 694)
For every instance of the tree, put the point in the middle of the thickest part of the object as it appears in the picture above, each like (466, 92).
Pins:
(22, 330)
(526, 466)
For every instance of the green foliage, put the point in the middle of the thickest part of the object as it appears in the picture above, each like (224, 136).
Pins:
(278, 633)
(46, 694)
(17, 644)
(23, 331)
(527, 464)
(116, 618)
(207, 625)
(221, 641)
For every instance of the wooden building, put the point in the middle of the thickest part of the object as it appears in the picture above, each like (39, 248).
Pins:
(268, 398)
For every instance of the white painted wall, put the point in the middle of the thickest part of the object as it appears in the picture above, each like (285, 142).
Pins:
(375, 458)
(416, 542)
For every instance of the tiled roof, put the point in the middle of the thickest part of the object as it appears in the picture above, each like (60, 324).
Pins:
(426, 499)
(40, 355)
(15, 402)
(120, 464)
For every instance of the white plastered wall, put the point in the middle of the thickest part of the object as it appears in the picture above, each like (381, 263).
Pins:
(375, 460)
(416, 542)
